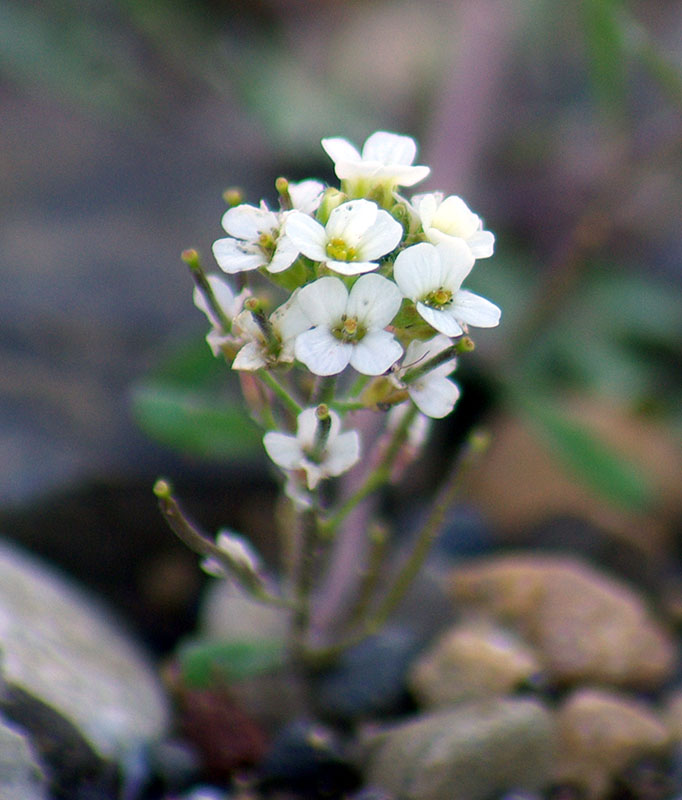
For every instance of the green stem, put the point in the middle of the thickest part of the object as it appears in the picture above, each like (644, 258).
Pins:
(201, 544)
(272, 383)
(376, 479)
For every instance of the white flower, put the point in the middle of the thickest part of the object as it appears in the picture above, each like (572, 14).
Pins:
(230, 304)
(442, 219)
(339, 452)
(386, 158)
(431, 276)
(306, 196)
(238, 550)
(255, 240)
(273, 342)
(357, 233)
(433, 393)
(348, 327)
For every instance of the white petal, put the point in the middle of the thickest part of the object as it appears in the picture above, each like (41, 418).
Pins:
(289, 320)
(374, 301)
(223, 294)
(324, 301)
(455, 218)
(234, 255)
(434, 396)
(420, 352)
(342, 453)
(307, 235)
(306, 195)
(351, 267)
(248, 222)
(284, 255)
(475, 310)
(340, 150)
(382, 237)
(283, 449)
(456, 262)
(250, 358)
(417, 270)
(482, 244)
(350, 220)
(389, 148)
(442, 321)
(313, 472)
(306, 425)
(321, 352)
(375, 353)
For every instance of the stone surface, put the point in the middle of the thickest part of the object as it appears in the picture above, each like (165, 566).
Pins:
(600, 733)
(59, 646)
(472, 752)
(586, 625)
(21, 777)
(370, 678)
(472, 660)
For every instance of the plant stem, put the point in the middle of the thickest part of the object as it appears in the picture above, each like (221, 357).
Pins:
(477, 443)
(204, 546)
(272, 383)
(376, 479)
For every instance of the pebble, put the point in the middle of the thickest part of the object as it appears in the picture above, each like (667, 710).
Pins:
(60, 647)
(586, 625)
(21, 776)
(371, 678)
(602, 732)
(472, 660)
(474, 751)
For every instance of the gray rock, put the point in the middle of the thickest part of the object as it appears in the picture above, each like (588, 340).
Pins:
(62, 648)
(21, 777)
(472, 659)
(474, 751)
(585, 625)
(600, 733)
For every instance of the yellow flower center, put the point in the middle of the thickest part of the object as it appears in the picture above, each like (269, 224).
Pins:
(348, 330)
(438, 298)
(338, 250)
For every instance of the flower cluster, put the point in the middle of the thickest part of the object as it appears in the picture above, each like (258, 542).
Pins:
(373, 307)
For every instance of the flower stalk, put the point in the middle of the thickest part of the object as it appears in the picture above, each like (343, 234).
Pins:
(373, 318)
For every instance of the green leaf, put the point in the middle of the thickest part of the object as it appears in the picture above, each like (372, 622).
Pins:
(606, 53)
(589, 458)
(204, 662)
(198, 423)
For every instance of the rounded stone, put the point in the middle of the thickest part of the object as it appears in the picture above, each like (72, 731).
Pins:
(585, 625)
(472, 660)
(600, 733)
(60, 646)
(474, 751)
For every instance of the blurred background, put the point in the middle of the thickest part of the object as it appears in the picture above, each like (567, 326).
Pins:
(122, 123)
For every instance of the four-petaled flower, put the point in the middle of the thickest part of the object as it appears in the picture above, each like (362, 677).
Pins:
(386, 160)
(431, 276)
(269, 341)
(433, 393)
(228, 302)
(319, 458)
(348, 328)
(444, 218)
(256, 237)
(357, 233)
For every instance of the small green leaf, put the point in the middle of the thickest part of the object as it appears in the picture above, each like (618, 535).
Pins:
(202, 424)
(590, 459)
(204, 662)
